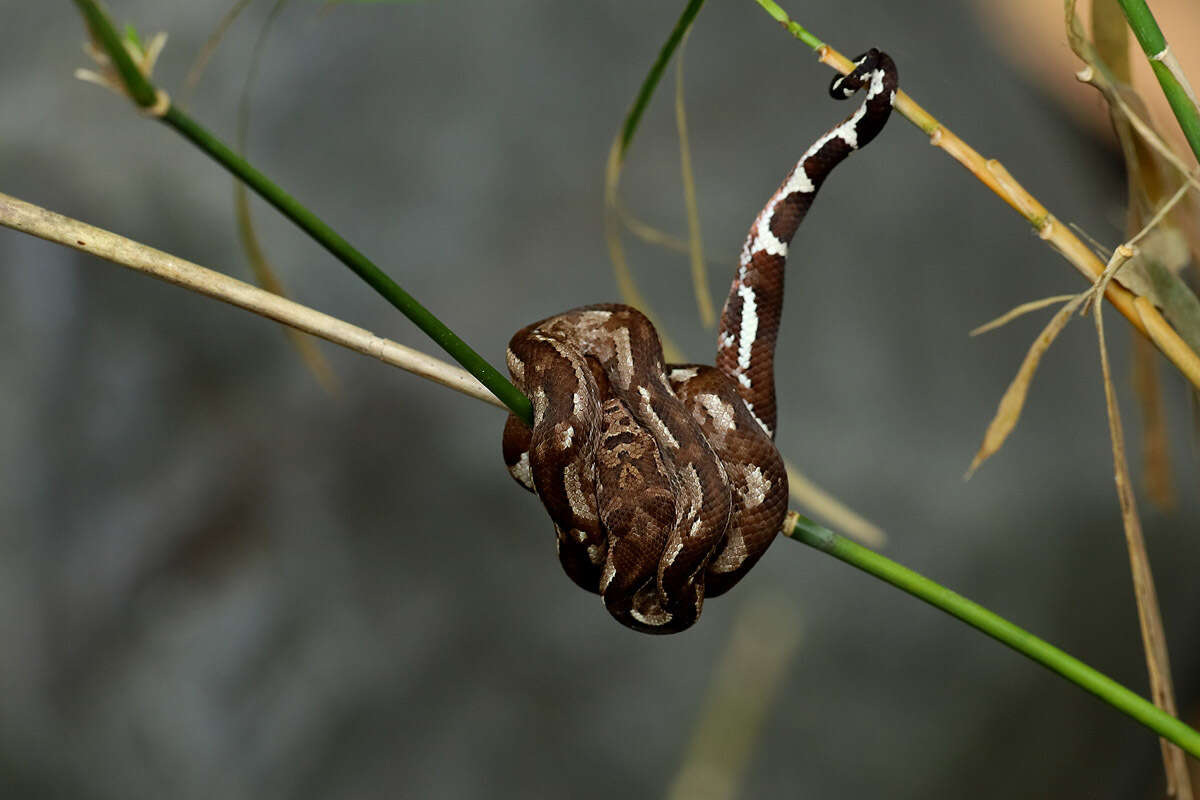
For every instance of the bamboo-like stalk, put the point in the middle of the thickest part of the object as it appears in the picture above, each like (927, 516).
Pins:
(45, 224)
(1000, 629)
(1166, 68)
(146, 95)
(993, 175)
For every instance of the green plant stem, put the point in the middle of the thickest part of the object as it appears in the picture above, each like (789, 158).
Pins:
(810, 533)
(309, 222)
(315, 227)
(1166, 69)
(794, 28)
(634, 115)
(138, 85)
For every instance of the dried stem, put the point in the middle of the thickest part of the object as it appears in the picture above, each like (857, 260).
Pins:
(45, 224)
(993, 175)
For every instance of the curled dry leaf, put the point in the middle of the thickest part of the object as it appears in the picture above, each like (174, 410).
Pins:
(1021, 310)
(1013, 401)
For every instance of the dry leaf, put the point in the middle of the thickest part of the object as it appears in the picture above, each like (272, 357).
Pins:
(1013, 400)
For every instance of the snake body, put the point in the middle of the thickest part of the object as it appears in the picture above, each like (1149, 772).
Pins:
(663, 481)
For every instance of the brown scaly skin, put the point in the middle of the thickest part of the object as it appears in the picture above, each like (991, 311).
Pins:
(663, 481)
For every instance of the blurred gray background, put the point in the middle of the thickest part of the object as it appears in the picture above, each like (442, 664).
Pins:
(218, 580)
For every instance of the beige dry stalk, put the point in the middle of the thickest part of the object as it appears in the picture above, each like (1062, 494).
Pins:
(704, 301)
(626, 285)
(1154, 639)
(53, 227)
(266, 276)
(993, 175)
(1020, 311)
(745, 682)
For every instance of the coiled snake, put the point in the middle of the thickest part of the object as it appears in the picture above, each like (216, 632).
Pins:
(663, 481)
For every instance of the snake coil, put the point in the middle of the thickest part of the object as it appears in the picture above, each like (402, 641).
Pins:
(662, 480)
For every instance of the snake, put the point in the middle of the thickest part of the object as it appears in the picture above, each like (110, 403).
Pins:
(663, 480)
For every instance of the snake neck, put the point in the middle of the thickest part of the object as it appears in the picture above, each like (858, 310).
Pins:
(751, 316)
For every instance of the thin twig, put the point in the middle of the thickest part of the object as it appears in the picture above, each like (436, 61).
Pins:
(1019, 311)
(1154, 637)
(704, 301)
(46, 224)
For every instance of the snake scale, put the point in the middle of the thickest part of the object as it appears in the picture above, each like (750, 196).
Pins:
(662, 480)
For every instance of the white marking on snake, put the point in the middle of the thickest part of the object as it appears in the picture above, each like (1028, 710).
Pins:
(579, 504)
(653, 420)
(578, 398)
(660, 618)
(516, 366)
(848, 130)
(719, 410)
(765, 239)
(594, 318)
(671, 553)
(609, 572)
(797, 182)
(595, 553)
(876, 84)
(731, 557)
(749, 328)
(624, 358)
(682, 374)
(695, 493)
(539, 404)
(761, 424)
(522, 471)
(567, 435)
(757, 486)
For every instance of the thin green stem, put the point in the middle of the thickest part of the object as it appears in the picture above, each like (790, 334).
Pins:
(138, 85)
(634, 115)
(810, 533)
(1166, 68)
(328, 238)
(794, 28)
(102, 30)
(1144, 26)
